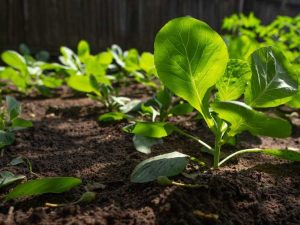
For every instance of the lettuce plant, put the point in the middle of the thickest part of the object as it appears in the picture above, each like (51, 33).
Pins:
(27, 74)
(130, 64)
(10, 121)
(87, 73)
(192, 61)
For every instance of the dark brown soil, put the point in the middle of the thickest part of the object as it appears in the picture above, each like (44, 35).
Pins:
(66, 140)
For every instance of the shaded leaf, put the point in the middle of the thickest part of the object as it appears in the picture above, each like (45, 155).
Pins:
(20, 124)
(7, 178)
(6, 138)
(242, 117)
(17, 161)
(13, 107)
(167, 165)
(143, 144)
(181, 109)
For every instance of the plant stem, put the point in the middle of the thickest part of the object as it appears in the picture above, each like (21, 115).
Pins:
(217, 152)
(179, 184)
(208, 148)
(253, 150)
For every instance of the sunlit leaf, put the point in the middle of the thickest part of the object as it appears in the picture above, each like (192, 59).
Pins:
(242, 117)
(112, 116)
(43, 186)
(15, 60)
(190, 58)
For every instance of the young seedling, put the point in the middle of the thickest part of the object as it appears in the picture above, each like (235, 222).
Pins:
(27, 74)
(10, 121)
(87, 73)
(192, 61)
(130, 64)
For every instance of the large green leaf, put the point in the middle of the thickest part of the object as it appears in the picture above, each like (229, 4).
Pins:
(15, 60)
(190, 58)
(42, 186)
(232, 85)
(169, 164)
(242, 117)
(273, 82)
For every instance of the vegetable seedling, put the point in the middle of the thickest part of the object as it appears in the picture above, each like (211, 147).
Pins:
(129, 64)
(27, 74)
(10, 121)
(192, 61)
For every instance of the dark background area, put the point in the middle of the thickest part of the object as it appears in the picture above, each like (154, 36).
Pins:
(49, 24)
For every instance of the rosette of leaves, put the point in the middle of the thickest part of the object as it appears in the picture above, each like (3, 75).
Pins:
(192, 61)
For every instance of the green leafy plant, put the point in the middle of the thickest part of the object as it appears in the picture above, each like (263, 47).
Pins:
(130, 64)
(283, 33)
(192, 61)
(87, 73)
(27, 74)
(10, 121)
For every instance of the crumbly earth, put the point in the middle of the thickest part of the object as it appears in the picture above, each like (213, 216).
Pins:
(67, 140)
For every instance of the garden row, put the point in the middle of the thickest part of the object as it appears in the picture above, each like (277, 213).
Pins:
(233, 84)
